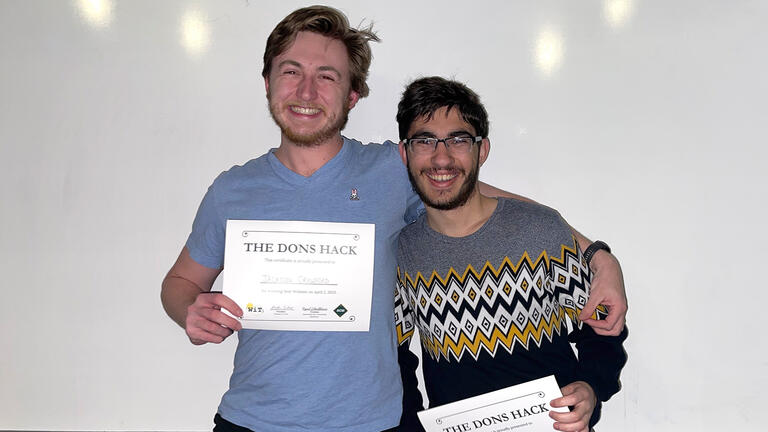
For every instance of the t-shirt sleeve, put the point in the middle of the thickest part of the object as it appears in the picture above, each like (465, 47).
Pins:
(414, 208)
(206, 241)
(413, 205)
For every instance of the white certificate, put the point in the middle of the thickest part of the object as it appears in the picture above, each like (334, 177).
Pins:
(297, 275)
(521, 408)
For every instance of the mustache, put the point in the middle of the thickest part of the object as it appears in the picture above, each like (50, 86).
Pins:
(449, 168)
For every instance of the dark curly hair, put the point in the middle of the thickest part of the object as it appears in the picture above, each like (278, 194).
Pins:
(424, 96)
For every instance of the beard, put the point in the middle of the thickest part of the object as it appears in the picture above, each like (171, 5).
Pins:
(461, 197)
(333, 126)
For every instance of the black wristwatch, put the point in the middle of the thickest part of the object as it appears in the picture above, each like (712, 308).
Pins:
(594, 247)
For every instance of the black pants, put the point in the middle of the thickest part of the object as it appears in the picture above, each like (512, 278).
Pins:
(222, 425)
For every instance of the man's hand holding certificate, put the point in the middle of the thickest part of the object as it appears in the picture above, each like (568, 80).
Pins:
(582, 399)
(523, 407)
(295, 275)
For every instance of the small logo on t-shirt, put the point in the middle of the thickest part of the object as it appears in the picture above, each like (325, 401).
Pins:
(353, 196)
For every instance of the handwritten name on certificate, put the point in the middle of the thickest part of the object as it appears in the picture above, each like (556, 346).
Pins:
(297, 275)
(521, 408)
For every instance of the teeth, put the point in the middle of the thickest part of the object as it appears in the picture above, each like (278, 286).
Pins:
(441, 177)
(305, 110)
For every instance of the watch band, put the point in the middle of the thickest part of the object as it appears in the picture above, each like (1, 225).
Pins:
(594, 247)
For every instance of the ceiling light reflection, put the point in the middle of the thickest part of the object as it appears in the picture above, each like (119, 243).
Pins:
(618, 12)
(549, 51)
(195, 33)
(97, 13)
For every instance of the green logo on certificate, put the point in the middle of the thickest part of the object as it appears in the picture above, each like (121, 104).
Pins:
(340, 310)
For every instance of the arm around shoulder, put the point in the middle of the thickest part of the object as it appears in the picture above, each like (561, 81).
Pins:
(495, 192)
(607, 281)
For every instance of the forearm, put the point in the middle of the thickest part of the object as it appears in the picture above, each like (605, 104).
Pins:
(177, 294)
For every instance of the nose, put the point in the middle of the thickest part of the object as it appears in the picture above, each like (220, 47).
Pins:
(441, 155)
(307, 89)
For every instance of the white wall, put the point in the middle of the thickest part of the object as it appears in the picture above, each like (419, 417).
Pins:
(647, 133)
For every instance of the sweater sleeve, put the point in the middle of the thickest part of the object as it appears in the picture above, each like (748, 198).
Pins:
(601, 358)
(409, 362)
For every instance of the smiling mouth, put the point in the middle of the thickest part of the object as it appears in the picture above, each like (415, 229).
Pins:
(441, 176)
(304, 110)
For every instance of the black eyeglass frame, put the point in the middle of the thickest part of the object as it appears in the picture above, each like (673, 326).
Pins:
(448, 141)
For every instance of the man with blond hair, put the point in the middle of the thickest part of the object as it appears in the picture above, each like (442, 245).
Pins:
(315, 70)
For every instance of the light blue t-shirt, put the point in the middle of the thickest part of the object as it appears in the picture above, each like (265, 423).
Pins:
(315, 381)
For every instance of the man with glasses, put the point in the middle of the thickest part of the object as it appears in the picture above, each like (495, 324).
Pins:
(488, 282)
(315, 71)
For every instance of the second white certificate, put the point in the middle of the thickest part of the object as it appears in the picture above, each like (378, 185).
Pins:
(521, 408)
(298, 275)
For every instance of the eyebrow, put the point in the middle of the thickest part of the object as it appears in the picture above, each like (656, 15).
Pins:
(289, 63)
(298, 65)
(330, 69)
(456, 133)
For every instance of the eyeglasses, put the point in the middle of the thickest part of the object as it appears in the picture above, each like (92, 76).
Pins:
(455, 145)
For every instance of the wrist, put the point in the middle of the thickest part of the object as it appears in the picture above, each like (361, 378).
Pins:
(597, 248)
(602, 259)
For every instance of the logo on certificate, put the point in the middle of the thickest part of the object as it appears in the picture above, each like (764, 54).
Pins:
(340, 310)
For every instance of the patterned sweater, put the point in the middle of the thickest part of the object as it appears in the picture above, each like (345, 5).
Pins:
(494, 309)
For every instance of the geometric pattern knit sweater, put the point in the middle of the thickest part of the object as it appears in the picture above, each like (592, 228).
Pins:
(497, 308)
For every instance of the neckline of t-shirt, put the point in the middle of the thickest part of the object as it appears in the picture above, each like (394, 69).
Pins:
(328, 170)
(448, 239)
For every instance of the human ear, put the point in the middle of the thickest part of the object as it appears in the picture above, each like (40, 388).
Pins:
(485, 148)
(403, 152)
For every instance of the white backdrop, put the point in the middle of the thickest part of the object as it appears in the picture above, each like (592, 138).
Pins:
(641, 121)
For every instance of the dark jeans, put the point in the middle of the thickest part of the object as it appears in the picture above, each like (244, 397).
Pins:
(222, 425)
